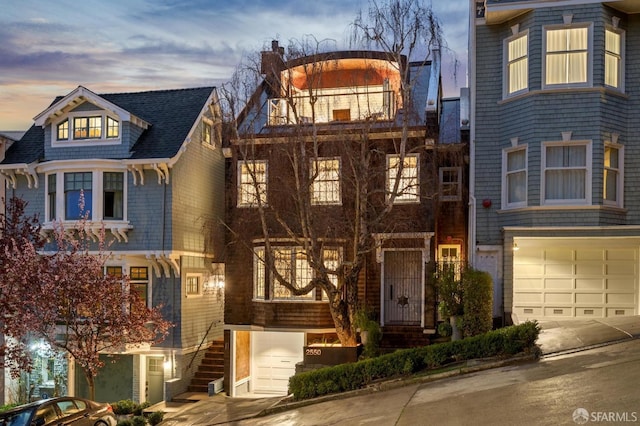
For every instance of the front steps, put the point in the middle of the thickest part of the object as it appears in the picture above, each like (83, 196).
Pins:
(211, 368)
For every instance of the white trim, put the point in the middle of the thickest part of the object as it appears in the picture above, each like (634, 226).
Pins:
(589, 59)
(620, 179)
(457, 183)
(505, 187)
(415, 199)
(506, 76)
(622, 64)
(588, 174)
(75, 142)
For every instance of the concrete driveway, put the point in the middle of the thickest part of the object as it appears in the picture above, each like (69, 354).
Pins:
(564, 336)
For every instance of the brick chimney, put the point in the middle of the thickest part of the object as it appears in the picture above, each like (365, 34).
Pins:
(272, 62)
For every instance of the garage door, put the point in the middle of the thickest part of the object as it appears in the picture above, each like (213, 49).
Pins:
(564, 278)
(275, 356)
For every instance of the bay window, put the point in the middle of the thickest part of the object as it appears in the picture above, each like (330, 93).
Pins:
(613, 59)
(517, 64)
(566, 173)
(78, 197)
(514, 172)
(613, 176)
(567, 57)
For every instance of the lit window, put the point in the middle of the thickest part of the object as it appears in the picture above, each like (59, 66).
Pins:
(405, 176)
(613, 63)
(292, 265)
(206, 133)
(252, 183)
(566, 173)
(77, 195)
(113, 184)
(450, 184)
(613, 175)
(139, 278)
(192, 285)
(87, 127)
(326, 181)
(63, 130)
(113, 128)
(517, 63)
(113, 271)
(514, 168)
(567, 56)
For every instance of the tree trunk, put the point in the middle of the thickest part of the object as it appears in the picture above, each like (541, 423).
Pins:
(92, 385)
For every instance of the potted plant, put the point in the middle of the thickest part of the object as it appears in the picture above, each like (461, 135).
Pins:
(370, 332)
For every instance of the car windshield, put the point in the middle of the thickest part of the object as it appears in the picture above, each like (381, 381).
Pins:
(20, 418)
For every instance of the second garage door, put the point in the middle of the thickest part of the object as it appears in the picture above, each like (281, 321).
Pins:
(569, 278)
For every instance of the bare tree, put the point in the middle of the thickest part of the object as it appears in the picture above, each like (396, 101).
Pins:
(334, 241)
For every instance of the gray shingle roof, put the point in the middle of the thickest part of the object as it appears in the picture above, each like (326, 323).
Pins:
(171, 114)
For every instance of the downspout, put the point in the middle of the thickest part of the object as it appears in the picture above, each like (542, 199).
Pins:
(471, 75)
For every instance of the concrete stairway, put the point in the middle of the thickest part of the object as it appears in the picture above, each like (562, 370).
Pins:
(211, 368)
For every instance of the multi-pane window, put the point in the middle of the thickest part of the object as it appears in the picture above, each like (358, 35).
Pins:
(139, 278)
(113, 184)
(77, 195)
(113, 128)
(292, 265)
(252, 183)
(450, 184)
(87, 127)
(51, 196)
(567, 56)
(613, 64)
(566, 173)
(325, 173)
(402, 178)
(192, 285)
(63, 130)
(612, 175)
(515, 177)
(113, 271)
(517, 63)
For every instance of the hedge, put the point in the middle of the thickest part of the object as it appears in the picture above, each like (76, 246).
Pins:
(502, 342)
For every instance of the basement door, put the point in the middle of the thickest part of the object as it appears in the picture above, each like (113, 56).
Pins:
(403, 272)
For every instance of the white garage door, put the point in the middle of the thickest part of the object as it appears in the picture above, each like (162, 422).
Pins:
(275, 356)
(565, 278)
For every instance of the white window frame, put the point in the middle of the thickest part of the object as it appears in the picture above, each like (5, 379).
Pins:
(619, 202)
(457, 184)
(263, 279)
(245, 180)
(588, 174)
(323, 187)
(200, 283)
(506, 172)
(71, 140)
(97, 206)
(507, 75)
(588, 51)
(620, 59)
(411, 192)
(207, 132)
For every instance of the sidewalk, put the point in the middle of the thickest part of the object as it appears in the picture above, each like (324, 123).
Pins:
(556, 337)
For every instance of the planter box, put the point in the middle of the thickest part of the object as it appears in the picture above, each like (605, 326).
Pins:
(331, 355)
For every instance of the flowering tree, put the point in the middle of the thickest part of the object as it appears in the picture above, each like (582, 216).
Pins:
(66, 299)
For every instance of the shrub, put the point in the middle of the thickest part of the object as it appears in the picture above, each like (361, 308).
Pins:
(367, 324)
(7, 407)
(477, 302)
(139, 409)
(345, 377)
(124, 406)
(125, 422)
(139, 421)
(155, 418)
(444, 329)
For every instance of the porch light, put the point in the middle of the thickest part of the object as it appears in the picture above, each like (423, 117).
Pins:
(515, 247)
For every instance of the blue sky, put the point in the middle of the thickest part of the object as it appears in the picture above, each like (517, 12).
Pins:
(49, 48)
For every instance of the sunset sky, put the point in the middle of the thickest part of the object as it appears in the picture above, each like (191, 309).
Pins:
(49, 48)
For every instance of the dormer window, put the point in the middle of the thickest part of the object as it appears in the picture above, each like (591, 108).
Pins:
(87, 128)
(63, 130)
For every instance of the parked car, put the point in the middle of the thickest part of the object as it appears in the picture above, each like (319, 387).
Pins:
(64, 410)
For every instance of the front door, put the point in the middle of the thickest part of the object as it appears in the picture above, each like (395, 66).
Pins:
(403, 282)
(155, 379)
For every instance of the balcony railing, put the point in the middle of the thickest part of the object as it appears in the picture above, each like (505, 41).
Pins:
(335, 107)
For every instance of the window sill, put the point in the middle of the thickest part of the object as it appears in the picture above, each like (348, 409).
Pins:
(561, 90)
(561, 207)
(85, 142)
